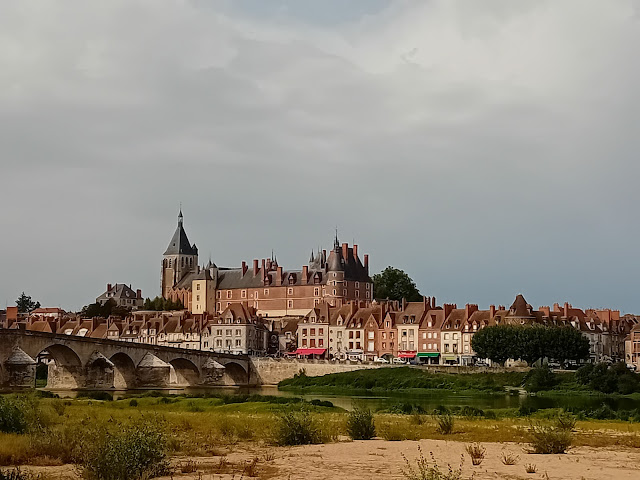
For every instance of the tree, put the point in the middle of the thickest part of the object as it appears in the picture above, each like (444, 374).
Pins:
(108, 309)
(161, 304)
(25, 304)
(497, 343)
(395, 284)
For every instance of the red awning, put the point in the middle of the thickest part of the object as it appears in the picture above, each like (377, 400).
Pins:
(310, 351)
(407, 354)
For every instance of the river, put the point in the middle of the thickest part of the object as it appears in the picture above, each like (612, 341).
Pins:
(428, 401)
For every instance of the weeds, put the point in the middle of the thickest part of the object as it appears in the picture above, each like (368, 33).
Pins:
(188, 466)
(13, 418)
(132, 453)
(296, 427)
(445, 423)
(251, 470)
(509, 458)
(17, 474)
(360, 424)
(530, 468)
(549, 440)
(476, 452)
(566, 422)
(425, 470)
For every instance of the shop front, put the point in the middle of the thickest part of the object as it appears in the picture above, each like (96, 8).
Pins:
(429, 358)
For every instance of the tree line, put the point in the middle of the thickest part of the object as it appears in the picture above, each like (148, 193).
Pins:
(530, 343)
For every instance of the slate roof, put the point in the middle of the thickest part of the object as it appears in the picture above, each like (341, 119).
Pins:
(179, 244)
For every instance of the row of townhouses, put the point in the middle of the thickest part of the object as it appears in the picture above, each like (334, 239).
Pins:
(422, 332)
(418, 332)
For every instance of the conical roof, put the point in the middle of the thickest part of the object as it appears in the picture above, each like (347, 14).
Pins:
(179, 244)
(520, 307)
(19, 357)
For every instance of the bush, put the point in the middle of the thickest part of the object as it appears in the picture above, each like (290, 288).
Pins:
(96, 395)
(133, 402)
(13, 417)
(424, 470)
(16, 474)
(296, 427)
(445, 423)
(566, 422)
(476, 452)
(548, 440)
(360, 424)
(539, 379)
(131, 453)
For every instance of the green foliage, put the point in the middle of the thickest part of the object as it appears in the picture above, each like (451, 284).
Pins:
(530, 342)
(444, 423)
(134, 452)
(403, 378)
(360, 424)
(110, 308)
(539, 379)
(25, 304)
(616, 378)
(296, 427)
(395, 284)
(549, 439)
(566, 421)
(425, 470)
(161, 304)
(13, 416)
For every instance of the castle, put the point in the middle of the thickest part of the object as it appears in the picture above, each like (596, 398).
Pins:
(337, 278)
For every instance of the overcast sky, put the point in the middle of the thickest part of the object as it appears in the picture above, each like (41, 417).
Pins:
(486, 148)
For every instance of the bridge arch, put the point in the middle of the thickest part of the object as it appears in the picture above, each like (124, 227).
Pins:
(124, 371)
(184, 372)
(64, 367)
(234, 374)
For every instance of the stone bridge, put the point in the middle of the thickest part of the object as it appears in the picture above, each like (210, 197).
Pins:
(89, 363)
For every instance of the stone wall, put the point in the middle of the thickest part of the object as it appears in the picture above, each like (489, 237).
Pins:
(269, 371)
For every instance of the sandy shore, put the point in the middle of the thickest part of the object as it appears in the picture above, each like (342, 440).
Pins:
(369, 460)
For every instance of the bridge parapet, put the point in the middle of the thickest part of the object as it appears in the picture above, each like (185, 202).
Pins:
(88, 363)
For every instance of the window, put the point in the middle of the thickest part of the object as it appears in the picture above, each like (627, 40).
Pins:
(321, 343)
(197, 298)
(238, 342)
(243, 294)
(351, 334)
(304, 331)
(289, 291)
(321, 331)
(228, 333)
(371, 334)
(446, 336)
(435, 334)
(218, 294)
(289, 303)
(384, 345)
(316, 291)
(316, 301)
(357, 293)
(197, 286)
(312, 331)
(219, 332)
(424, 335)
(238, 332)
(334, 291)
(424, 346)
(312, 342)
(304, 342)
(367, 295)
(344, 292)
(370, 346)
(357, 284)
(228, 293)
(358, 334)
(455, 336)
(266, 292)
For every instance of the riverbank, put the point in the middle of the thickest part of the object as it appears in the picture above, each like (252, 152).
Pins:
(369, 460)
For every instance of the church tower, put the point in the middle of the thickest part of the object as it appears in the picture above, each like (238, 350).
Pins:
(180, 259)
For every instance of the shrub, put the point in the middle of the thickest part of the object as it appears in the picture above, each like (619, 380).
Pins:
(16, 474)
(321, 403)
(547, 440)
(530, 468)
(540, 378)
(133, 402)
(470, 412)
(360, 424)
(131, 453)
(425, 470)
(566, 422)
(13, 417)
(445, 423)
(509, 458)
(296, 427)
(476, 452)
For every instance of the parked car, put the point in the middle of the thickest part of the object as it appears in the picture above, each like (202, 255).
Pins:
(399, 361)
(632, 367)
(380, 360)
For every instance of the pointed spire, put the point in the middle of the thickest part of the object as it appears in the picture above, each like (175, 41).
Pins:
(336, 243)
(311, 259)
(180, 217)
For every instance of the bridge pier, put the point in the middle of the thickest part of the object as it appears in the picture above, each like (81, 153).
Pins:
(20, 370)
(153, 372)
(99, 372)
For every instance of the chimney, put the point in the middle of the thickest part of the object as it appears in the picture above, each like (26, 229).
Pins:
(366, 262)
(433, 302)
(404, 303)
(566, 309)
(108, 287)
(324, 257)
(255, 267)
(355, 251)
(426, 302)
(354, 307)
(448, 308)
(279, 276)
(492, 311)
(244, 267)
(345, 251)
(305, 274)
(139, 293)
(556, 307)
(469, 309)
